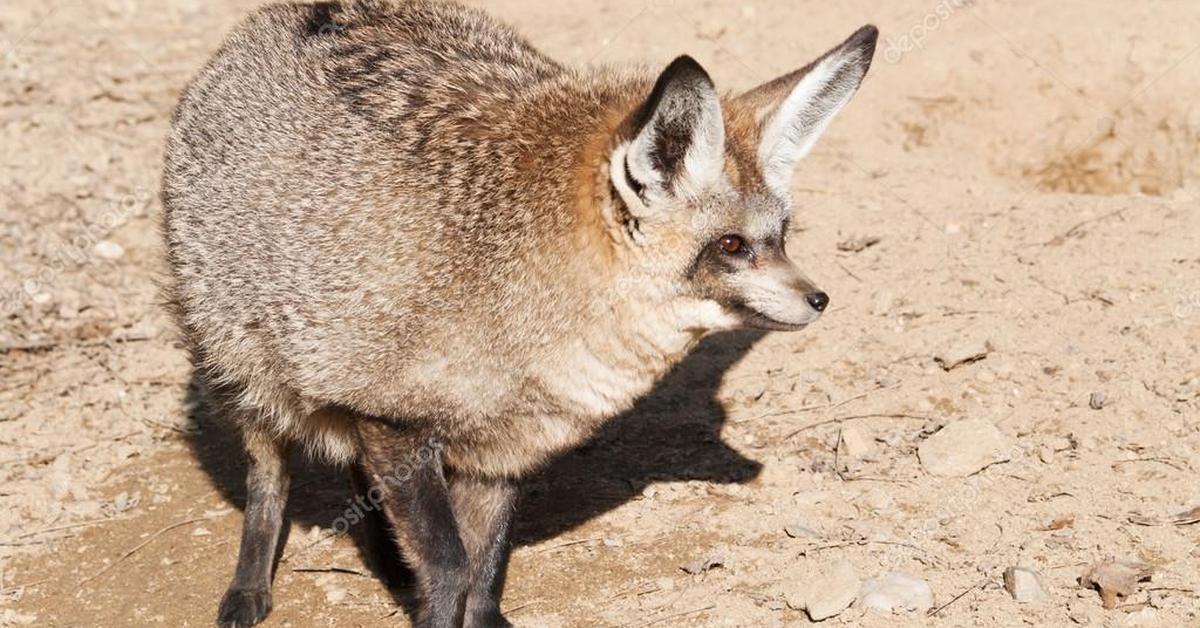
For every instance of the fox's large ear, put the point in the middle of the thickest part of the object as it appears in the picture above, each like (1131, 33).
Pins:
(794, 109)
(677, 144)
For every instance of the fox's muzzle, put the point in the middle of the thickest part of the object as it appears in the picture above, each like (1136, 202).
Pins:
(777, 296)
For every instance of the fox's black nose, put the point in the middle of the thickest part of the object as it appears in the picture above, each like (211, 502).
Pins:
(818, 300)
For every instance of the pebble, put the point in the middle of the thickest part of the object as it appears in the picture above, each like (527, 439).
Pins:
(895, 592)
(1145, 617)
(962, 353)
(856, 444)
(1097, 400)
(701, 565)
(962, 448)
(882, 302)
(1024, 585)
(335, 595)
(10, 617)
(1115, 579)
(832, 591)
(109, 249)
(823, 590)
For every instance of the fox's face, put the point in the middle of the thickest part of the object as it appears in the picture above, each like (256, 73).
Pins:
(703, 186)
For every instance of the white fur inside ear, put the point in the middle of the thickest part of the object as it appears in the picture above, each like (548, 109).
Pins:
(616, 172)
(703, 163)
(804, 115)
(705, 159)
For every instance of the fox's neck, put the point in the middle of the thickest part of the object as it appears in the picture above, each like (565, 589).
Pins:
(626, 332)
(615, 359)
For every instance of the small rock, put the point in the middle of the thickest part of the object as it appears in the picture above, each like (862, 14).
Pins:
(1025, 585)
(701, 565)
(882, 302)
(962, 353)
(1115, 578)
(144, 330)
(821, 464)
(962, 448)
(67, 311)
(108, 249)
(1145, 617)
(1097, 400)
(856, 444)
(1082, 613)
(335, 595)
(60, 477)
(832, 591)
(878, 499)
(895, 592)
(124, 501)
(10, 617)
(859, 243)
(1060, 523)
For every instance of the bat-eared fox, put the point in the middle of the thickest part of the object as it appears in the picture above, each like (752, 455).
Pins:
(406, 241)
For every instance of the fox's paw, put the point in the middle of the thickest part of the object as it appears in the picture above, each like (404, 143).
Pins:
(241, 608)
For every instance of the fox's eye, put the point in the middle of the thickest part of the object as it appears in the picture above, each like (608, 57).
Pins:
(733, 244)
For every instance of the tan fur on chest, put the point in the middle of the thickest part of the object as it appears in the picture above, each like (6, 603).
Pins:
(578, 386)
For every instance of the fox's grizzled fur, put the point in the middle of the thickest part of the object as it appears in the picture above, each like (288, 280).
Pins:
(402, 238)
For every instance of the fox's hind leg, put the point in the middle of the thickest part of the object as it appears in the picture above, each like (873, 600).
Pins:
(484, 510)
(379, 539)
(248, 599)
(408, 471)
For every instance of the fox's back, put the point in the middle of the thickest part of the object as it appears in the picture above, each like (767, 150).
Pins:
(343, 191)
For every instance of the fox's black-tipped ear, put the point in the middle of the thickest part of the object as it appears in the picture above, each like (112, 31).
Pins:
(677, 136)
(795, 109)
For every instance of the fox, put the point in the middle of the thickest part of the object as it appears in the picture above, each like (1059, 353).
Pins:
(401, 239)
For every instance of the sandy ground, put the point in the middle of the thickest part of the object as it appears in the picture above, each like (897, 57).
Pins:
(1029, 171)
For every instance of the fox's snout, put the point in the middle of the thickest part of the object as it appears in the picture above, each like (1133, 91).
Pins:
(777, 296)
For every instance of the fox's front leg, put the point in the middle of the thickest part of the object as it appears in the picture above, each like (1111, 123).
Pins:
(416, 500)
(484, 510)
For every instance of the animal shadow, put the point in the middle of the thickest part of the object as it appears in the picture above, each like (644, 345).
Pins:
(670, 434)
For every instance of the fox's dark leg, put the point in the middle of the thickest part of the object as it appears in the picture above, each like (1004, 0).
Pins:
(416, 500)
(248, 599)
(484, 510)
(379, 538)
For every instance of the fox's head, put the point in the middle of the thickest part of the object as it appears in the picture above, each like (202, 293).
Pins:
(701, 185)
